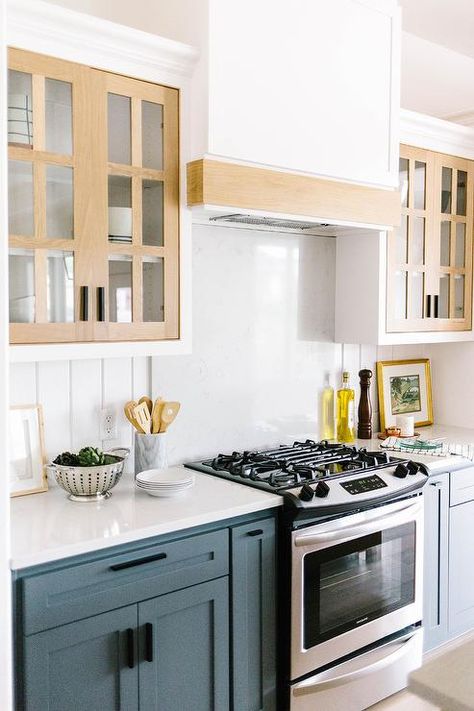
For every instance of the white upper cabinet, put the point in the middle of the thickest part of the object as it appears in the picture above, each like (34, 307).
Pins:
(307, 85)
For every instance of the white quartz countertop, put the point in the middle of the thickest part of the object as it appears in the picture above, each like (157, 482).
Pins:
(447, 681)
(47, 526)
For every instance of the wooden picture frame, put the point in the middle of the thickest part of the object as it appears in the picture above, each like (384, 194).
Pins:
(27, 470)
(404, 387)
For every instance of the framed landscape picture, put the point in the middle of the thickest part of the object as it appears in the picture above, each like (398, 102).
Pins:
(27, 473)
(404, 388)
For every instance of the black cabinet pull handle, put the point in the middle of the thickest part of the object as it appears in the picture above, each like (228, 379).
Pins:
(436, 306)
(130, 648)
(84, 303)
(101, 303)
(256, 532)
(148, 642)
(138, 561)
(428, 306)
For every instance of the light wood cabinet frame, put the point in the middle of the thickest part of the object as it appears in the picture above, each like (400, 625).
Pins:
(431, 267)
(89, 161)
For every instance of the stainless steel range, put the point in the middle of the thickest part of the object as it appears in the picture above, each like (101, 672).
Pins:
(350, 561)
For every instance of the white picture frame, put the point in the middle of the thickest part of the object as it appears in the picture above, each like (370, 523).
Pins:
(27, 469)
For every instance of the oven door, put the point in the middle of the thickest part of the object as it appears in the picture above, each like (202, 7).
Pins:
(355, 580)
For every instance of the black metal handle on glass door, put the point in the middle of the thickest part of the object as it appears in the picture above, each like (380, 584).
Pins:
(436, 306)
(100, 303)
(428, 306)
(84, 303)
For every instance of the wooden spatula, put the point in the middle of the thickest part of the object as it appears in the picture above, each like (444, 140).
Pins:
(128, 409)
(170, 410)
(148, 402)
(156, 415)
(142, 415)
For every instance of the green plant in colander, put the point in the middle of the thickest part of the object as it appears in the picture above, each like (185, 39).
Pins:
(87, 457)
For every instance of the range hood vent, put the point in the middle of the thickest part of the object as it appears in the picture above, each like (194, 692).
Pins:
(269, 222)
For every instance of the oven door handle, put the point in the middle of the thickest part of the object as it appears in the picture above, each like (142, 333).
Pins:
(399, 516)
(395, 651)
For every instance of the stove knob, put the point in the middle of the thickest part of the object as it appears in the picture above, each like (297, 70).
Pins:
(322, 489)
(306, 493)
(413, 468)
(401, 471)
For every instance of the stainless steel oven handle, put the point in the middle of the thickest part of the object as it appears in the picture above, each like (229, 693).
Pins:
(402, 514)
(396, 650)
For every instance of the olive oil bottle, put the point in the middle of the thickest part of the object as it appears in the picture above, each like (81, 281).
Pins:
(345, 411)
(327, 429)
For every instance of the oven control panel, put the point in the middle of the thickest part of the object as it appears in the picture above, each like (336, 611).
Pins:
(363, 485)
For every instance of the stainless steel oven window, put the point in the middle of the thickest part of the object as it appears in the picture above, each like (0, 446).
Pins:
(352, 583)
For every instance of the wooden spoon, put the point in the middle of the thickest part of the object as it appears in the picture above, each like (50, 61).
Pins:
(156, 415)
(148, 402)
(142, 415)
(128, 409)
(170, 410)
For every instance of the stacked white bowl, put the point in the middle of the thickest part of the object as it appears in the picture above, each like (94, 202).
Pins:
(165, 482)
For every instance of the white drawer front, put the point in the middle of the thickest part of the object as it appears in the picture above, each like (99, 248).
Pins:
(461, 486)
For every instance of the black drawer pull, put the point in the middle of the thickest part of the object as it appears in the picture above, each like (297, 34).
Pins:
(428, 306)
(138, 561)
(130, 648)
(148, 642)
(100, 303)
(84, 303)
(256, 532)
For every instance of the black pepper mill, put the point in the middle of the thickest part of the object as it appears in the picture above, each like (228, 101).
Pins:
(364, 427)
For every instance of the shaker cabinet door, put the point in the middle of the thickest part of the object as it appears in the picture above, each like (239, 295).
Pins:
(184, 649)
(91, 665)
(461, 568)
(254, 616)
(435, 592)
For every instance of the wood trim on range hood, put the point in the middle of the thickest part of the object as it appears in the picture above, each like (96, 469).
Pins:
(236, 186)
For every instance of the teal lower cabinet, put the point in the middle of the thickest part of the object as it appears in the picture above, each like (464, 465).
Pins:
(185, 649)
(254, 616)
(435, 573)
(89, 664)
(190, 625)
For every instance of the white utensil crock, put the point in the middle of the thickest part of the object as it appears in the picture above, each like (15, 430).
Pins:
(150, 451)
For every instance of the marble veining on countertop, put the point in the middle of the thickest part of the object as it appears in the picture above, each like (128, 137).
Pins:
(47, 526)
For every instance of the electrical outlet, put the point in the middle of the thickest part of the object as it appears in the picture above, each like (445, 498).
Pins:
(108, 423)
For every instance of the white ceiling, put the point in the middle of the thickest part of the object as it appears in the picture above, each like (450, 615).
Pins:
(446, 22)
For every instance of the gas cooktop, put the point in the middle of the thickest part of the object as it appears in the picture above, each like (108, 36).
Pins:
(320, 475)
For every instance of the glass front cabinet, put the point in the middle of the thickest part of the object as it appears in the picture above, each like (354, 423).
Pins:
(429, 278)
(93, 204)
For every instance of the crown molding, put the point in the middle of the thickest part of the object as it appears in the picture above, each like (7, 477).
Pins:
(50, 29)
(436, 134)
(465, 118)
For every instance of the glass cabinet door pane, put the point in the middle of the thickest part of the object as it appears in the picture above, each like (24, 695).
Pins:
(461, 192)
(460, 259)
(119, 129)
(417, 244)
(446, 189)
(416, 294)
(153, 291)
(120, 289)
(59, 202)
(444, 296)
(420, 185)
(152, 213)
(152, 135)
(20, 198)
(445, 246)
(403, 180)
(400, 295)
(60, 291)
(459, 296)
(21, 270)
(58, 116)
(20, 108)
(120, 209)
